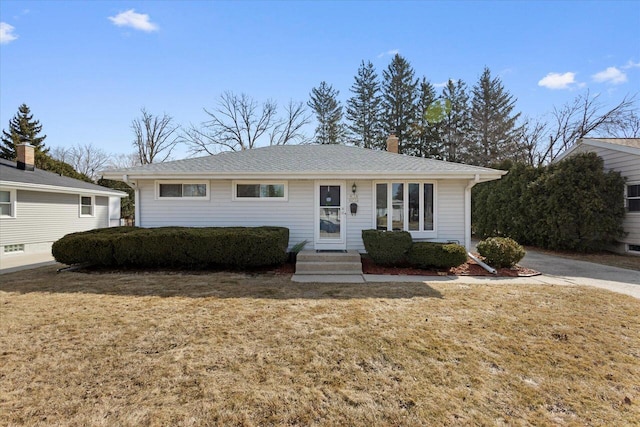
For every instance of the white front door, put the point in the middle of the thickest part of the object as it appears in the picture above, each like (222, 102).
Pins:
(330, 215)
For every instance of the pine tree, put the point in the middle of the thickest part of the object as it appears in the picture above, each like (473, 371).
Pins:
(23, 130)
(364, 109)
(425, 129)
(493, 125)
(399, 94)
(457, 121)
(324, 102)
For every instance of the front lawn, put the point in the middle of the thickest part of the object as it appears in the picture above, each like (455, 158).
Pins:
(233, 349)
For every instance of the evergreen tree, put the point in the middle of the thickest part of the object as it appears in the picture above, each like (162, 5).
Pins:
(23, 130)
(493, 125)
(399, 94)
(364, 109)
(324, 102)
(456, 123)
(430, 112)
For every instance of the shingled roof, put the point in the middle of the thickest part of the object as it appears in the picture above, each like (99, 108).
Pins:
(308, 160)
(42, 180)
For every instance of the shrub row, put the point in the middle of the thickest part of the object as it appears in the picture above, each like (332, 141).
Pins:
(233, 247)
(570, 205)
(394, 248)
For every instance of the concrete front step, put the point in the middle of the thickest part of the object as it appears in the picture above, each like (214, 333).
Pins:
(328, 263)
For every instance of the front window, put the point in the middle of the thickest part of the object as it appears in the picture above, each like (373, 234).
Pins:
(633, 198)
(86, 205)
(412, 206)
(7, 204)
(182, 190)
(260, 190)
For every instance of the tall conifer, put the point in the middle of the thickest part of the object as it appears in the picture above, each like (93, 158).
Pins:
(324, 102)
(399, 94)
(364, 109)
(23, 129)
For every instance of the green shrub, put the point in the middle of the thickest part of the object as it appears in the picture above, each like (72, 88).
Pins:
(234, 247)
(437, 255)
(387, 247)
(501, 251)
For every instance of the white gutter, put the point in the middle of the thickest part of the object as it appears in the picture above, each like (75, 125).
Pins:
(482, 264)
(467, 211)
(57, 189)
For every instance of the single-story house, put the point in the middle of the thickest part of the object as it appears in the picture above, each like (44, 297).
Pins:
(621, 155)
(324, 194)
(39, 207)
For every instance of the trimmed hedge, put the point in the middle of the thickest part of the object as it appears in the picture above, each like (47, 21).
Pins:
(233, 247)
(387, 247)
(501, 251)
(437, 255)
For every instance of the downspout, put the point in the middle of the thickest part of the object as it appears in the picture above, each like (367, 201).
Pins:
(467, 212)
(136, 199)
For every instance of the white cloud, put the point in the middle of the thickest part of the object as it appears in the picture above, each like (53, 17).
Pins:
(443, 84)
(391, 52)
(138, 21)
(558, 81)
(610, 75)
(6, 33)
(631, 64)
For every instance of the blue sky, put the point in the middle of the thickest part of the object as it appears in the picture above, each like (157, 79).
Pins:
(86, 68)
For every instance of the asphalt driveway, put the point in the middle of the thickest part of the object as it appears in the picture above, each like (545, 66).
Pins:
(574, 272)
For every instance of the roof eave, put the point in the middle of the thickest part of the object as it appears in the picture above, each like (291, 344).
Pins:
(58, 189)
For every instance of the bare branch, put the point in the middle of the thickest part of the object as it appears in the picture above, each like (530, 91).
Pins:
(155, 137)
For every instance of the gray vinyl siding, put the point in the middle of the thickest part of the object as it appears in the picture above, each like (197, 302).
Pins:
(296, 213)
(42, 218)
(629, 167)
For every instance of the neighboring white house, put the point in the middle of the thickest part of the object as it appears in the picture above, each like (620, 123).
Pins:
(39, 207)
(325, 194)
(621, 155)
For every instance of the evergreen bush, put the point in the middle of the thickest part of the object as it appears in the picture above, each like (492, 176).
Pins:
(175, 247)
(501, 251)
(388, 248)
(437, 255)
(570, 205)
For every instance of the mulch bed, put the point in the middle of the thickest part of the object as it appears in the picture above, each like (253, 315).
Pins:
(470, 268)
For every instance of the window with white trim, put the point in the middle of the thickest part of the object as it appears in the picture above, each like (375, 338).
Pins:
(182, 190)
(243, 190)
(405, 206)
(633, 197)
(7, 203)
(87, 204)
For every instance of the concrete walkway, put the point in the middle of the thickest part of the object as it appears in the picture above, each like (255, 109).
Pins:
(17, 262)
(555, 271)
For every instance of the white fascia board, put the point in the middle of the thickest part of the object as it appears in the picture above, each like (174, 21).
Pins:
(598, 144)
(484, 176)
(57, 189)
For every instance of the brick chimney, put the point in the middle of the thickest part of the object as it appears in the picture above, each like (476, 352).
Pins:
(26, 157)
(392, 144)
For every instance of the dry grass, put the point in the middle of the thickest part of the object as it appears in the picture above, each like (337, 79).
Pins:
(230, 349)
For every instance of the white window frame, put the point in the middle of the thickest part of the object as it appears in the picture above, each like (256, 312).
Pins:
(93, 206)
(420, 233)
(632, 251)
(183, 182)
(627, 198)
(260, 199)
(12, 203)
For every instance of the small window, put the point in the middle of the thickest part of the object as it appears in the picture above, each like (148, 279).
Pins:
(12, 249)
(633, 248)
(633, 198)
(266, 191)
(182, 190)
(7, 203)
(86, 205)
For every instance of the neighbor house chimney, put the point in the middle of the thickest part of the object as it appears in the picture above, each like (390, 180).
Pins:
(392, 144)
(26, 157)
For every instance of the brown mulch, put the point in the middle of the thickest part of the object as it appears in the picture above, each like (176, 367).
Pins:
(470, 268)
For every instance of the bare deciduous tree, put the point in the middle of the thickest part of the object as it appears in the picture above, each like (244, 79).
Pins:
(123, 161)
(86, 159)
(584, 116)
(155, 137)
(238, 123)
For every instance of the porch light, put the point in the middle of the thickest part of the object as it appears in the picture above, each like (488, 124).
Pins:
(354, 188)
